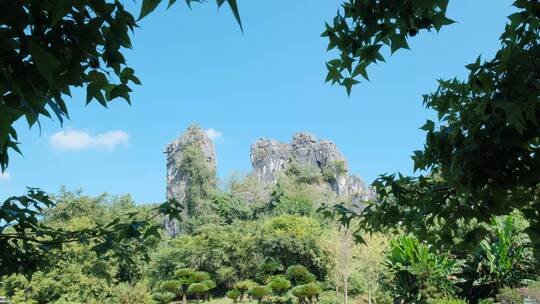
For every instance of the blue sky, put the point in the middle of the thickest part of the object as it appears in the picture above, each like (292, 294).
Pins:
(196, 66)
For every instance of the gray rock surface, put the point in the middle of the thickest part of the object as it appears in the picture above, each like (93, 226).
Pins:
(270, 157)
(177, 181)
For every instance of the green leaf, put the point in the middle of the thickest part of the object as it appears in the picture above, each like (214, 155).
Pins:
(440, 19)
(126, 75)
(59, 9)
(429, 126)
(93, 90)
(152, 231)
(45, 62)
(148, 6)
(398, 42)
(348, 83)
(475, 65)
(360, 69)
(120, 90)
(236, 13)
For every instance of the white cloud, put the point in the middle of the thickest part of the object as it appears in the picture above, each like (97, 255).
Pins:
(4, 176)
(80, 140)
(213, 134)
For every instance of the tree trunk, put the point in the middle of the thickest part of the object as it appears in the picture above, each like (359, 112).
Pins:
(184, 298)
(346, 252)
(337, 284)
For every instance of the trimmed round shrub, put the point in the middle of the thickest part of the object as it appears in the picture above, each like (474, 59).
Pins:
(197, 289)
(184, 272)
(163, 297)
(233, 295)
(199, 276)
(299, 274)
(307, 291)
(259, 292)
(210, 284)
(172, 286)
(280, 285)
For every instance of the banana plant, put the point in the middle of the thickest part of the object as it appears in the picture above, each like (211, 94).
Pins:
(419, 272)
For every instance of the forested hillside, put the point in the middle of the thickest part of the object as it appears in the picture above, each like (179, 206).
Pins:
(268, 242)
(228, 245)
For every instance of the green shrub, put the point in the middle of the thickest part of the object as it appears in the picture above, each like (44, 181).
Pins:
(259, 292)
(233, 295)
(172, 286)
(299, 274)
(419, 272)
(197, 289)
(280, 285)
(509, 296)
(448, 301)
(283, 299)
(505, 257)
(243, 287)
(199, 276)
(210, 284)
(127, 294)
(329, 297)
(305, 174)
(486, 301)
(163, 297)
(334, 168)
(10, 284)
(307, 292)
(267, 269)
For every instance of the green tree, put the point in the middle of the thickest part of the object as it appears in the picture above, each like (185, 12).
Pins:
(259, 292)
(307, 292)
(299, 275)
(280, 286)
(243, 287)
(293, 240)
(202, 181)
(163, 297)
(172, 286)
(197, 289)
(210, 284)
(132, 294)
(481, 157)
(185, 278)
(233, 295)
(50, 47)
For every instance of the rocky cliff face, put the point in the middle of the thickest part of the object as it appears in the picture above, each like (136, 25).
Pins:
(177, 180)
(270, 157)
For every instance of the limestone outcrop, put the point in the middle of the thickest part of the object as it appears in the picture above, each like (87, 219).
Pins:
(269, 158)
(177, 180)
